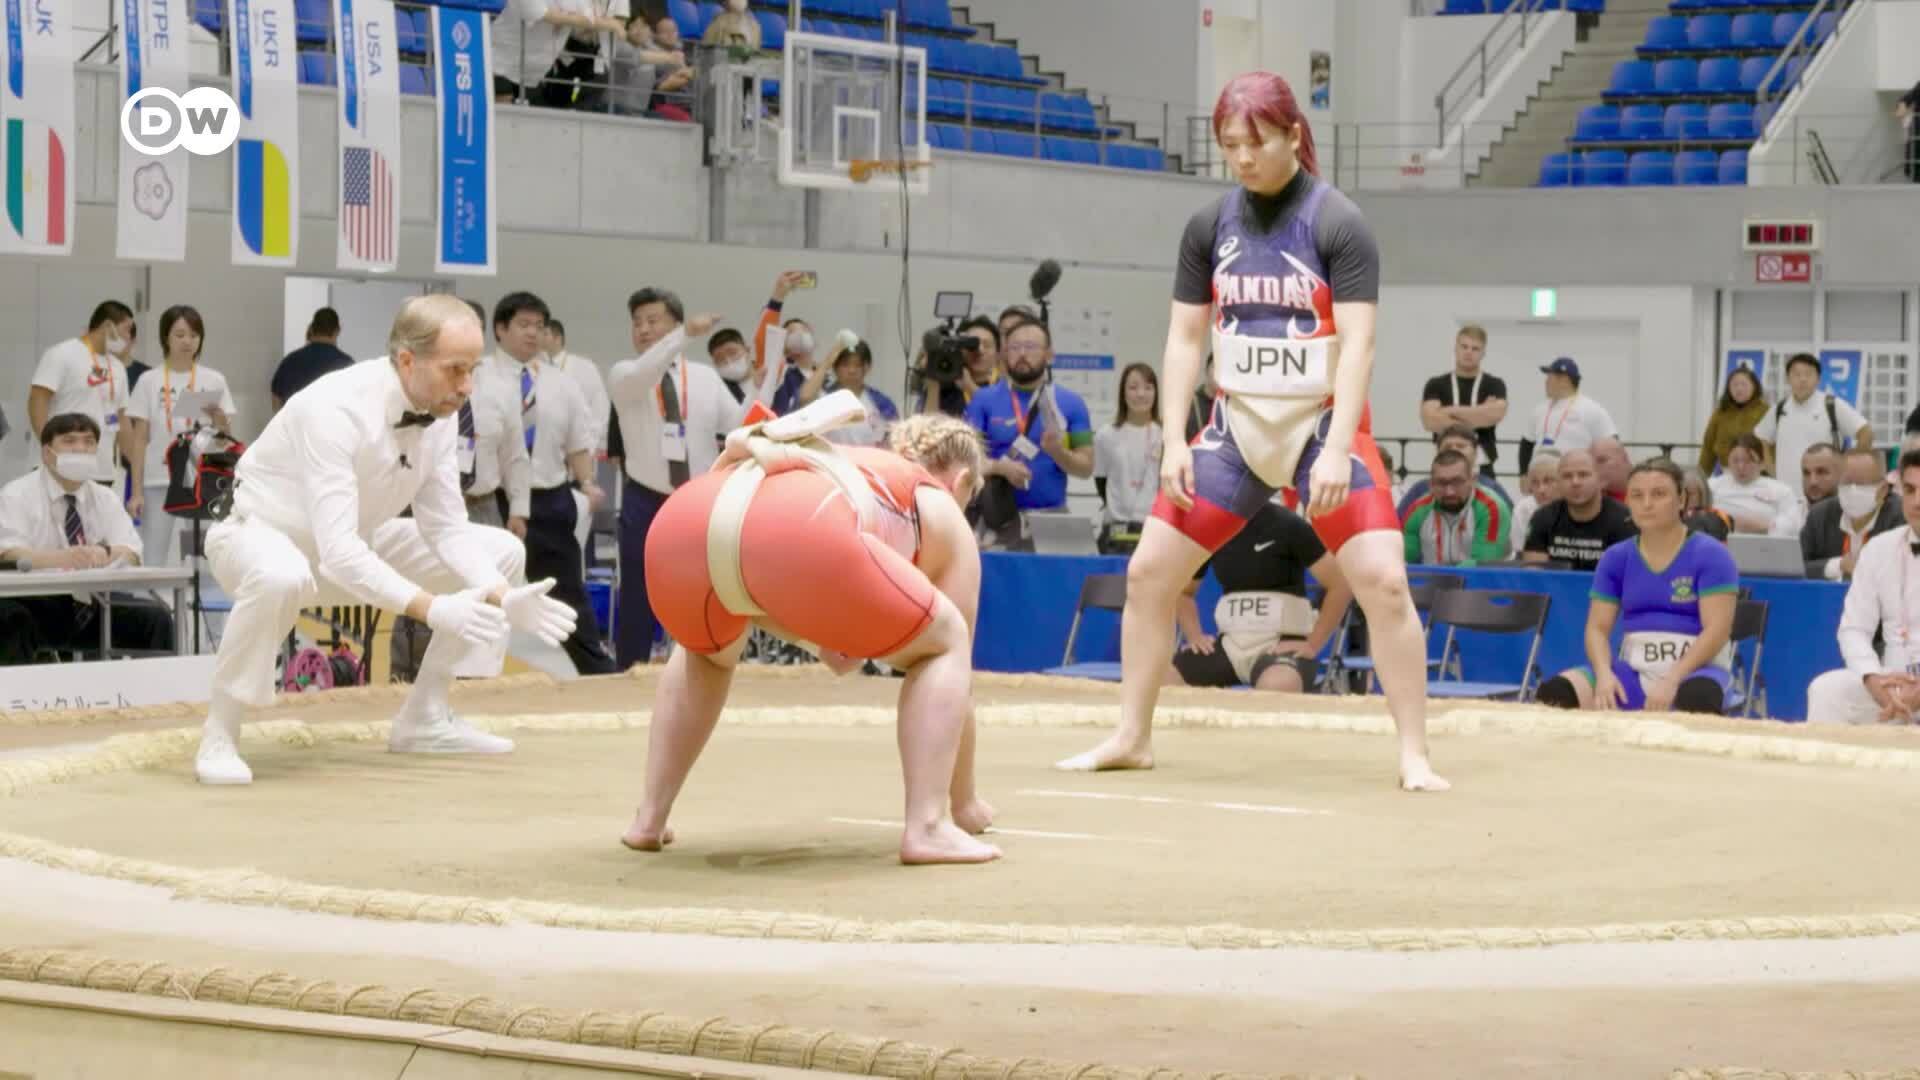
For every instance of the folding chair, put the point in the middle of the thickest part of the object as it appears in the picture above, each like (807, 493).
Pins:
(1748, 690)
(1489, 611)
(1104, 592)
(1341, 666)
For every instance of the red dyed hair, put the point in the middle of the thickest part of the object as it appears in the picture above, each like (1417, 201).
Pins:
(1263, 97)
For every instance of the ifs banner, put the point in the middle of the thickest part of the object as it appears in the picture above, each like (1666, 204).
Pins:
(266, 160)
(151, 219)
(464, 105)
(38, 147)
(369, 167)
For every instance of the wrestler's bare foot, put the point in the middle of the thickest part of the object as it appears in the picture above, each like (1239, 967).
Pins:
(974, 817)
(1115, 753)
(645, 839)
(943, 843)
(1416, 774)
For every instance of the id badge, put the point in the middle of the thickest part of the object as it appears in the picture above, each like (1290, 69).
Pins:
(1914, 668)
(466, 453)
(113, 420)
(673, 442)
(1023, 449)
(1546, 441)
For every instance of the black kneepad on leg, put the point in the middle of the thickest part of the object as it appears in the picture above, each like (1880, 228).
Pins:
(1700, 695)
(1557, 692)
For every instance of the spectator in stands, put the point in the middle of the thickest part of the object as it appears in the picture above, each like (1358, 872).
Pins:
(1697, 509)
(633, 68)
(527, 38)
(983, 369)
(1567, 420)
(155, 418)
(321, 355)
(1543, 487)
(585, 374)
(1838, 528)
(671, 101)
(1037, 431)
(1806, 416)
(1456, 523)
(1741, 407)
(1879, 687)
(1386, 463)
(733, 28)
(1468, 395)
(1675, 620)
(1461, 439)
(850, 363)
(88, 375)
(1819, 473)
(1907, 114)
(1612, 466)
(1755, 502)
(54, 519)
(1126, 460)
(727, 349)
(797, 351)
(1582, 524)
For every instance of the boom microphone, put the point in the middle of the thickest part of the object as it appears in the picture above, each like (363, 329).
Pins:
(1044, 279)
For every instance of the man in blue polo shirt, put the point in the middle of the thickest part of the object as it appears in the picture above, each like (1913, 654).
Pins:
(1037, 432)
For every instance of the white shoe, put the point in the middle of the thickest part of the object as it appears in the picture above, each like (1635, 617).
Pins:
(218, 761)
(442, 733)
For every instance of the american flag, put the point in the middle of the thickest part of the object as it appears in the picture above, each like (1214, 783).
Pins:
(367, 204)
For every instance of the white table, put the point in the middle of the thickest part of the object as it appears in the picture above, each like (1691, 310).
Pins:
(87, 584)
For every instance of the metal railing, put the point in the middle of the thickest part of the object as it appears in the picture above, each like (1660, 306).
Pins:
(1848, 148)
(1468, 84)
(1801, 48)
(1413, 454)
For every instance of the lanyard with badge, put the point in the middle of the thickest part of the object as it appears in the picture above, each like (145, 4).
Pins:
(1023, 448)
(1462, 530)
(1473, 392)
(673, 435)
(166, 392)
(1547, 439)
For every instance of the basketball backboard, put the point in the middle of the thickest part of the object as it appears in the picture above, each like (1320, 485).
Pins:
(853, 113)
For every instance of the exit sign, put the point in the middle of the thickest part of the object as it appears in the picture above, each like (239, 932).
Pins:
(1782, 269)
(1780, 235)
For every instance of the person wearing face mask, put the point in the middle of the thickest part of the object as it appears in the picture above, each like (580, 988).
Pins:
(315, 521)
(88, 375)
(793, 345)
(1456, 523)
(1879, 632)
(54, 518)
(727, 349)
(1839, 527)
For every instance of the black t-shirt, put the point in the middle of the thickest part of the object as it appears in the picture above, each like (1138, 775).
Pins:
(1342, 237)
(1492, 388)
(1272, 554)
(1912, 100)
(305, 364)
(1579, 543)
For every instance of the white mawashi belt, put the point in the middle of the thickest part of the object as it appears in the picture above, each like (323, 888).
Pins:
(794, 441)
(1263, 614)
(1654, 652)
(1273, 367)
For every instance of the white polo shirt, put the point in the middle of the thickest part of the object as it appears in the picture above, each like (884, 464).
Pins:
(1792, 426)
(153, 400)
(707, 407)
(33, 515)
(84, 383)
(1574, 423)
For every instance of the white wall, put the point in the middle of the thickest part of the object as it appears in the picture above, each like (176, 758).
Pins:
(1899, 22)
(1838, 98)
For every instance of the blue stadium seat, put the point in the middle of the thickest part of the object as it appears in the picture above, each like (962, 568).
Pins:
(1762, 116)
(1786, 26)
(1709, 33)
(708, 12)
(1556, 170)
(1016, 144)
(1697, 167)
(414, 29)
(1646, 123)
(1631, 78)
(210, 14)
(686, 16)
(1152, 159)
(1751, 31)
(1824, 25)
(316, 69)
(947, 136)
(413, 80)
(1078, 151)
(1686, 122)
(1753, 72)
(773, 29)
(981, 141)
(1791, 76)
(946, 97)
(1019, 104)
(1601, 168)
(312, 21)
(1465, 7)
(1597, 123)
(1587, 7)
(929, 13)
(1667, 33)
(1720, 75)
(1650, 168)
(1676, 78)
(1733, 167)
(1690, 5)
(1729, 121)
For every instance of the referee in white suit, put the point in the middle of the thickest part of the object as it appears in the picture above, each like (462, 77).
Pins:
(315, 521)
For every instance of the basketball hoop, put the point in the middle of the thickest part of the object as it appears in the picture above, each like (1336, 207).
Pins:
(860, 170)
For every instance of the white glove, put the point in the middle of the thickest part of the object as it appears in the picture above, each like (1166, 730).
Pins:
(531, 611)
(470, 616)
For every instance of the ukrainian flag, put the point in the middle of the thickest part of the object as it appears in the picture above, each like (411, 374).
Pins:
(265, 203)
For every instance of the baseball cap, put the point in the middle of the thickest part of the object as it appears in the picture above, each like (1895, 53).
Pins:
(1563, 365)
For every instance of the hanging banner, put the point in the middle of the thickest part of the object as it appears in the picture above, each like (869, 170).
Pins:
(37, 105)
(151, 218)
(463, 104)
(368, 63)
(266, 160)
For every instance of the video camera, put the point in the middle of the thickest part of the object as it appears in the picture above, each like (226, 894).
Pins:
(945, 347)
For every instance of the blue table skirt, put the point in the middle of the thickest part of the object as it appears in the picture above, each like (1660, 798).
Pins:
(1027, 602)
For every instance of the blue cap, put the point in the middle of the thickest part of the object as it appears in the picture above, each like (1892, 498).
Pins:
(1563, 365)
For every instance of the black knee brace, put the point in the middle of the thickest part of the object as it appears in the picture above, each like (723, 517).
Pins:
(1700, 695)
(1558, 693)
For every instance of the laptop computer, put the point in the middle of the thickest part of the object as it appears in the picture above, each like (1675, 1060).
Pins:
(1767, 556)
(1062, 534)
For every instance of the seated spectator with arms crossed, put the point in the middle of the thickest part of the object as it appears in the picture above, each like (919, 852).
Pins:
(1884, 597)
(1756, 503)
(1583, 524)
(1838, 527)
(1456, 523)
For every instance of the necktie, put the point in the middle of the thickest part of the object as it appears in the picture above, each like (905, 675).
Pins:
(526, 404)
(466, 439)
(76, 532)
(677, 471)
(414, 419)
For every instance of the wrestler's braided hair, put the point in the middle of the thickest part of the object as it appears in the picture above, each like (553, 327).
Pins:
(938, 443)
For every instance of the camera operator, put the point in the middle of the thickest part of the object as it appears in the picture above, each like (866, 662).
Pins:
(1037, 432)
(982, 369)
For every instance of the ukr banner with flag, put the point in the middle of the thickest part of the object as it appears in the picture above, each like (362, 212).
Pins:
(464, 221)
(266, 160)
(37, 107)
(368, 60)
(151, 220)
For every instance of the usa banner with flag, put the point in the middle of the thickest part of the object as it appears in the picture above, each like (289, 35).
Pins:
(266, 160)
(465, 223)
(38, 144)
(151, 221)
(367, 59)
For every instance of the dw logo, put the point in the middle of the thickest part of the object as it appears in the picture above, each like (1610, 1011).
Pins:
(156, 120)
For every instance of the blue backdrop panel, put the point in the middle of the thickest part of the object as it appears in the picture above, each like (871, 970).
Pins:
(1026, 607)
